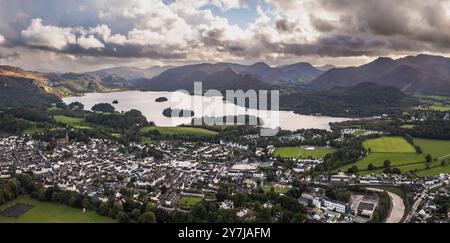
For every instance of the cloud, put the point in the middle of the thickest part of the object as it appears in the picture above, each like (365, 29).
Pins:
(9, 56)
(2, 39)
(90, 42)
(193, 31)
(52, 37)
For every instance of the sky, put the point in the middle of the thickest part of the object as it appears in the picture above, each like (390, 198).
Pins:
(85, 35)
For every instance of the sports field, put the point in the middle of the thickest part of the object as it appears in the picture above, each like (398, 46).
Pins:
(300, 152)
(389, 145)
(406, 161)
(189, 201)
(180, 131)
(43, 212)
(276, 189)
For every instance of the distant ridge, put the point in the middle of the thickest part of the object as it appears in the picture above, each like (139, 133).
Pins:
(230, 75)
(130, 73)
(418, 74)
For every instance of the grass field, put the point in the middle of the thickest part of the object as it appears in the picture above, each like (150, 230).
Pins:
(68, 120)
(408, 126)
(440, 149)
(180, 131)
(32, 130)
(437, 103)
(299, 152)
(43, 212)
(407, 161)
(75, 122)
(276, 189)
(146, 141)
(189, 201)
(389, 145)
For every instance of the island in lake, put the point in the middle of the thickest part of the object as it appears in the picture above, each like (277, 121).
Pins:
(162, 99)
(115, 102)
(169, 112)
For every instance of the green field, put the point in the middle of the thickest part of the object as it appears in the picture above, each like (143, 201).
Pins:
(32, 130)
(276, 189)
(389, 145)
(408, 126)
(437, 103)
(299, 152)
(68, 120)
(146, 141)
(180, 131)
(43, 212)
(75, 122)
(189, 201)
(439, 149)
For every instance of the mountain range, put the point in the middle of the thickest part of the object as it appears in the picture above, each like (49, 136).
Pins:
(130, 73)
(424, 74)
(415, 74)
(230, 76)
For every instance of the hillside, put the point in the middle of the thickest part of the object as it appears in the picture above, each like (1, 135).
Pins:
(20, 87)
(259, 74)
(418, 74)
(212, 76)
(26, 90)
(130, 73)
(362, 100)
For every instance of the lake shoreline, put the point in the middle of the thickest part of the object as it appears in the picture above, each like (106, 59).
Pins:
(144, 101)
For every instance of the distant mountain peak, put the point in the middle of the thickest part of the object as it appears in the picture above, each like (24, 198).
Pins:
(422, 73)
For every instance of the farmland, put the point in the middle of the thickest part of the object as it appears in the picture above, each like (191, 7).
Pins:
(405, 161)
(300, 152)
(389, 145)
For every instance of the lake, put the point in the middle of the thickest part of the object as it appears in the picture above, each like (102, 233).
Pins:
(145, 101)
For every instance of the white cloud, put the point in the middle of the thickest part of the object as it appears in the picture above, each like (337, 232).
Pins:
(90, 42)
(48, 36)
(2, 39)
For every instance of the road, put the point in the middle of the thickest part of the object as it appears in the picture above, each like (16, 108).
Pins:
(397, 207)
(419, 200)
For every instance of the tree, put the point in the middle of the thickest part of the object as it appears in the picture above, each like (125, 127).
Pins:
(104, 108)
(136, 213)
(103, 209)
(429, 158)
(123, 218)
(396, 171)
(387, 164)
(354, 169)
(76, 106)
(147, 218)
(443, 163)
(370, 167)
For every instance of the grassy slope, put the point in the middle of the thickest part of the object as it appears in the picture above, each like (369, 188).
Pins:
(44, 212)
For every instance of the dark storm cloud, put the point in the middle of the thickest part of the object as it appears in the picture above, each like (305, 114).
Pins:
(321, 25)
(284, 25)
